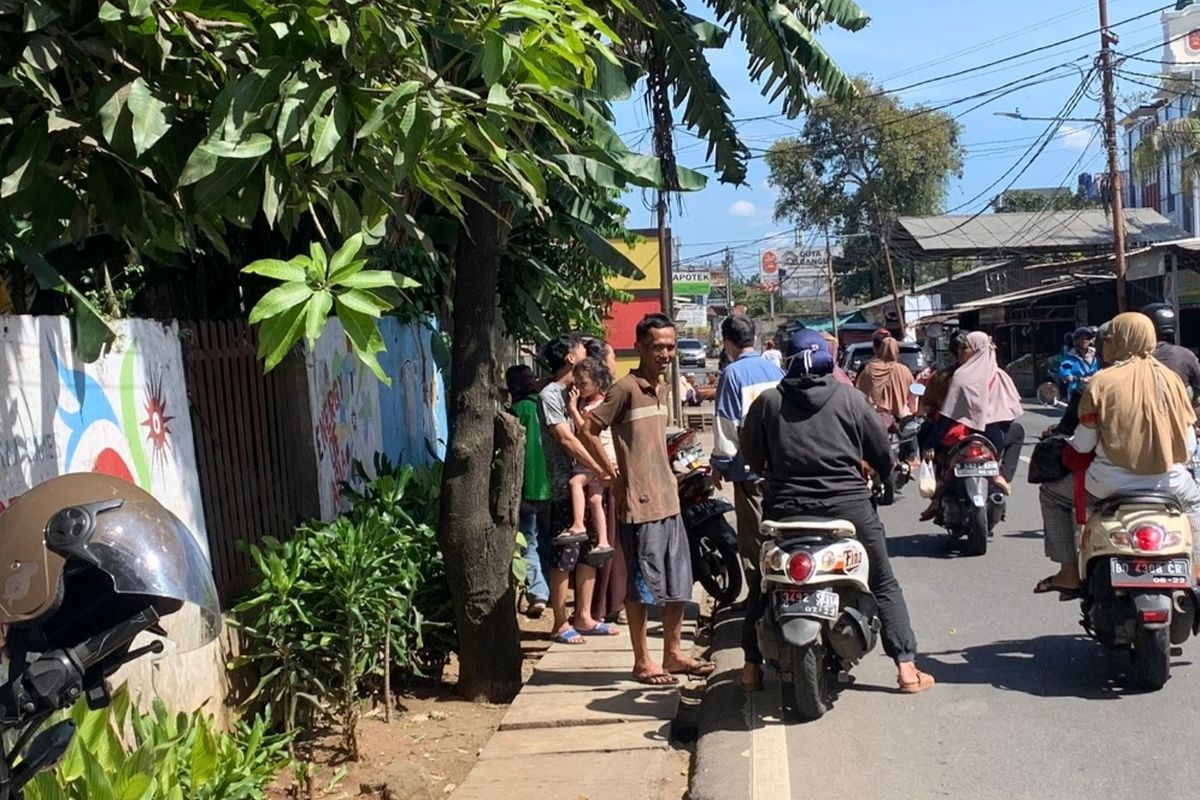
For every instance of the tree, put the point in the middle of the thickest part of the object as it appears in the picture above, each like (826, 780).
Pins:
(857, 167)
(1061, 199)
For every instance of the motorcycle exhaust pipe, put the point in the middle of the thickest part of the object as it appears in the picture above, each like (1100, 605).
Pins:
(998, 498)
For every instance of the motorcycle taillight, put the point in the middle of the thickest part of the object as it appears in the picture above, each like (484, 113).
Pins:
(800, 566)
(1149, 538)
(974, 450)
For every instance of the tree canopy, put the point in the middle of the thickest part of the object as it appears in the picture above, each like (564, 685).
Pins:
(859, 165)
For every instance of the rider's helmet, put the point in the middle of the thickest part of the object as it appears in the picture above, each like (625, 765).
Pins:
(1163, 317)
(1082, 333)
(82, 553)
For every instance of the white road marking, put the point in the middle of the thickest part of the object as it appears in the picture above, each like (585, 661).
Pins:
(770, 774)
(1025, 459)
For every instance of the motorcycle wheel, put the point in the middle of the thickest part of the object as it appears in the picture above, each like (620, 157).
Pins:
(1151, 657)
(809, 689)
(977, 532)
(1047, 394)
(715, 561)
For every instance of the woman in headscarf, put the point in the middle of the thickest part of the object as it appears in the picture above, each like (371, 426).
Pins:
(1137, 423)
(981, 399)
(886, 381)
(831, 344)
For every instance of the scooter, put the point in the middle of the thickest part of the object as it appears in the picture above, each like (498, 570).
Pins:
(820, 616)
(970, 505)
(1139, 591)
(903, 436)
(711, 539)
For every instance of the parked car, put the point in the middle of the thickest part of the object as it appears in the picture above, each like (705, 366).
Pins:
(860, 353)
(691, 353)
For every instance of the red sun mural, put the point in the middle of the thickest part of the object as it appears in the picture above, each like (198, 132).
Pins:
(157, 421)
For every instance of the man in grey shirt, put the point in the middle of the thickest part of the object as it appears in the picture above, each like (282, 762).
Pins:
(563, 451)
(1180, 360)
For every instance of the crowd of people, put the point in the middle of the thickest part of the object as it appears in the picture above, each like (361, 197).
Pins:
(795, 436)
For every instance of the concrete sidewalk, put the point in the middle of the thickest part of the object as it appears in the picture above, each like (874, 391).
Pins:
(581, 729)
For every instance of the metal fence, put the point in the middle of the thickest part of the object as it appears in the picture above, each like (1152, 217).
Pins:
(254, 445)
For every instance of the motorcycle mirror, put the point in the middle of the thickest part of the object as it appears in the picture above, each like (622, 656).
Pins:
(45, 752)
(917, 389)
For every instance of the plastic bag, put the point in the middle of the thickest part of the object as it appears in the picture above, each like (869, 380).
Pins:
(926, 480)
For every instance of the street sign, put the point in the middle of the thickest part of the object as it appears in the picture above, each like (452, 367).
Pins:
(688, 283)
(691, 315)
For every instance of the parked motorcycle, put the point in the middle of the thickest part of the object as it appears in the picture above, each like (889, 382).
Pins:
(711, 539)
(1139, 591)
(820, 617)
(970, 505)
(903, 436)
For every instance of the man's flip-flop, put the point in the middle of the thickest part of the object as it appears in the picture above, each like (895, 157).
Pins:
(655, 678)
(601, 629)
(569, 636)
(568, 537)
(700, 668)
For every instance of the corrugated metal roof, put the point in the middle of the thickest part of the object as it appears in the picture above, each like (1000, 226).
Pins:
(1030, 232)
(1071, 285)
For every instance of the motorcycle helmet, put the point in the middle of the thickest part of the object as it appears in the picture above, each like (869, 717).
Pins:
(1163, 317)
(81, 553)
(1086, 332)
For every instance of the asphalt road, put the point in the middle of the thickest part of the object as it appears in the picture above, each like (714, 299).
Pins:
(1025, 707)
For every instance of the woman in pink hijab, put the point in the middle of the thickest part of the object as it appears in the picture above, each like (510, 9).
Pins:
(982, 399)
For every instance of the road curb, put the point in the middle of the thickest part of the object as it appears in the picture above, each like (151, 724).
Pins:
(721, 768)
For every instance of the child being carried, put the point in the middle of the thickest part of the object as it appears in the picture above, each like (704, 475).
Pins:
(592, 382)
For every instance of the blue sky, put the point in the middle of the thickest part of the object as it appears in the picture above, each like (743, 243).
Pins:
(905, 43)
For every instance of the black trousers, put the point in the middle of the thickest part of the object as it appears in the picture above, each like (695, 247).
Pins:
(899, 641)
(1010, 452)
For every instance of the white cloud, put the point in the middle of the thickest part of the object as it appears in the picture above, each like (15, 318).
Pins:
(1076, 139)
(743, 208)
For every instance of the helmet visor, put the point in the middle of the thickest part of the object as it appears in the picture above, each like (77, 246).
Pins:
(147, 551)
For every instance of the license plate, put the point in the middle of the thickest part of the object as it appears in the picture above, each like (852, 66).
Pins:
(798, 602)
(986, 469)
(1137, 573)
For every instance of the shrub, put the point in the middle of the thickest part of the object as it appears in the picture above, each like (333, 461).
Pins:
(166, 757)
(332, 595)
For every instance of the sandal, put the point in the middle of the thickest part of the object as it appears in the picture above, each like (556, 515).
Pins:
(1047, 585)
(700, 668)
(601, 629)
(923, 683)
(569, 636)
(569, 537)
(599, 556)
(655, 678)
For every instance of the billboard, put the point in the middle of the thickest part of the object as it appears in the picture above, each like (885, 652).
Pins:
(1181, 39)
(802, 271)
(769, 268)
(691, 283)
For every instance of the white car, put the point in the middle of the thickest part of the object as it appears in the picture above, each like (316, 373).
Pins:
(691, 353)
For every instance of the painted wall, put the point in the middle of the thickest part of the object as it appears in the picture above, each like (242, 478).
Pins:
(619, 327)
(124, 415)
(355, 416)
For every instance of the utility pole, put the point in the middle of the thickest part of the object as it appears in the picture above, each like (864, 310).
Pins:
(727, 264)
(887, 259)
(668, 302)
(832, 289)
(1107, 37)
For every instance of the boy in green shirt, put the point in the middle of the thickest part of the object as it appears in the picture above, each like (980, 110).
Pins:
(535, 493)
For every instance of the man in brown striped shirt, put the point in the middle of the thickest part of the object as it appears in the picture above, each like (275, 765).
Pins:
(653, 539)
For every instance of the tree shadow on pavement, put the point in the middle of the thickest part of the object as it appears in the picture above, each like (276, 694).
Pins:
(1060, 665)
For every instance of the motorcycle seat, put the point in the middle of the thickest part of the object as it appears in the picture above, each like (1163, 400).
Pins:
(1110, 504)
(800, 526)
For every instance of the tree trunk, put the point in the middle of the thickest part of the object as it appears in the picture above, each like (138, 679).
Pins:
(478, 547)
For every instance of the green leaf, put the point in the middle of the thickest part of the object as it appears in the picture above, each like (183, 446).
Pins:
(280, 299)
(365, 339)
(111, 108)
(603, 251)
(140, 9)
(149, 116)
(279, 270)
(330, 130)
(377, 279)
(110, 12)
(98, 784)
(278, 335)
(364, 302)
(343, 257)
(316, 312)
(496, 57)
(273, 191)
(204, 757)
(253, 146)
(38, 14)
(384, 110)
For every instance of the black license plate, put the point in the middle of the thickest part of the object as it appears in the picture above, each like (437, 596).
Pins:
(1138, 573)
(821, 603)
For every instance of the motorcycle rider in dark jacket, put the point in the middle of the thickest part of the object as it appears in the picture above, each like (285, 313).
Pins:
(809, 439)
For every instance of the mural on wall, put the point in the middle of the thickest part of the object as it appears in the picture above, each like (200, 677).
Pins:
(413, 409)
(116, 416)
(344, 399)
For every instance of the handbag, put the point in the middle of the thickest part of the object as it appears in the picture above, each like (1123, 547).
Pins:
(1046, 462)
